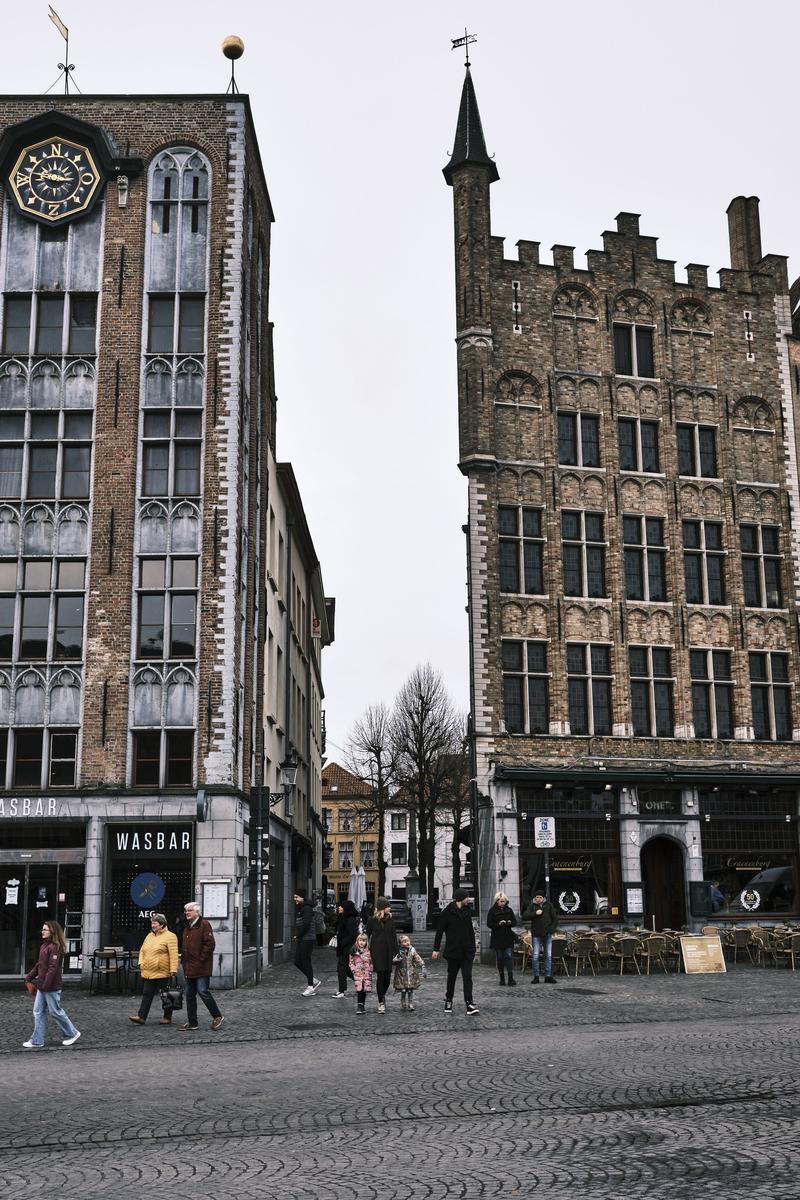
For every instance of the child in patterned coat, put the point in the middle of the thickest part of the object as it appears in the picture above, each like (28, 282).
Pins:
(361, 970)
(409, 970)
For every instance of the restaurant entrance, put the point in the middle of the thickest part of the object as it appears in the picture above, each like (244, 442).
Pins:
(662, 875)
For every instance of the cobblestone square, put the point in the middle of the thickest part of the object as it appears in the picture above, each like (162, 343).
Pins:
(601, 1088)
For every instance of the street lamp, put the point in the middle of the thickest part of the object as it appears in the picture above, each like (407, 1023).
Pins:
(288, 771)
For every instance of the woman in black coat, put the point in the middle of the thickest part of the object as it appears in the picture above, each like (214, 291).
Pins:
(346, 934)
(501, 921)
(383, 948)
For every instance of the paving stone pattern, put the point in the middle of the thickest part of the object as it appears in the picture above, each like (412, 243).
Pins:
(605, 1088)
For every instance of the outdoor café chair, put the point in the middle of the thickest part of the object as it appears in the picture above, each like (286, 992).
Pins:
(790, 949)
(627, 949)
(583, 950)
(742, 940)
(653, 948)
(763, 947)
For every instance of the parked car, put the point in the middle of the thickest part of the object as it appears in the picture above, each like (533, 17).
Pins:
(401, 915)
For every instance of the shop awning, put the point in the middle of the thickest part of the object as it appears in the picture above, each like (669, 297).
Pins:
(716, 775)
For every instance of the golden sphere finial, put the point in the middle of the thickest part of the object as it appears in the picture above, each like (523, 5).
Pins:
(233, 48)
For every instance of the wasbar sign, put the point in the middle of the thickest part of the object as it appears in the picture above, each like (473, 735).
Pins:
(153, 841)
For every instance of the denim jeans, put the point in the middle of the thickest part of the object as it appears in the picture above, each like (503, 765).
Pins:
(199, 987)
(505, 960)
(548, 954)
(49, 1002)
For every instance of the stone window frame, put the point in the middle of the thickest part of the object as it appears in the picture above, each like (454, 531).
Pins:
(647, 552)
(9, 739)
(769, 687)
(578, 418)
(637, 423)
(761, 557)
(528, 675)
(705, 555)
(514, 548)
(696, 450)
(587, 547)
(713, 688)
(656, 685)
(589, 679)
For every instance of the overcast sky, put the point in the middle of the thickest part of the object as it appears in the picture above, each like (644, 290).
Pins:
(666, 109)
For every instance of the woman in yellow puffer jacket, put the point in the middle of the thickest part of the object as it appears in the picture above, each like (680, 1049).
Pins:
(158, 967)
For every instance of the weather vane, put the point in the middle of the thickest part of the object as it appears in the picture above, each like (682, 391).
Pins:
(465, 41)
(66, 68)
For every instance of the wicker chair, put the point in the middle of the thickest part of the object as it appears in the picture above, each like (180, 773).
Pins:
(654, 948)
(560, 948)
(764, 948)
(742, 941)
(584, 950)
(790, 949)
(522, 950)
(626, 950)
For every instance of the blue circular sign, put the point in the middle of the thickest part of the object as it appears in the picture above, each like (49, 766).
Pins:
(147, 890)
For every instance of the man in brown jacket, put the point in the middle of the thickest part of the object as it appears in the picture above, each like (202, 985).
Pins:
(197, 955)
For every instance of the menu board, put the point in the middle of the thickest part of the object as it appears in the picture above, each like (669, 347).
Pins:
(703, 955)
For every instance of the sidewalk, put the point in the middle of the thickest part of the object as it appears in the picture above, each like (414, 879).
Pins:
(276, 1011)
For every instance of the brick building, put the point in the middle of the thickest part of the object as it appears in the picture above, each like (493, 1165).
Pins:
(629, 441)
(351, 832)
(137, 433)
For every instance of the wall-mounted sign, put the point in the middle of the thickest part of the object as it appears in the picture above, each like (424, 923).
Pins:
(12, 891)
(147, 889)
(577, 866)
(149, 841)
(29, 806)
(215, 901)
(544, 832)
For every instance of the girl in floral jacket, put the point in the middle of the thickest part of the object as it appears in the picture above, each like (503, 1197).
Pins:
(361, 970)
(408, 972)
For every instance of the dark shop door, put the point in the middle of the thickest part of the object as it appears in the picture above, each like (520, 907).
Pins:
(662, 875)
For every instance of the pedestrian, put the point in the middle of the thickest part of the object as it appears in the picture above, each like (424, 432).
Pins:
(47, 978)
(544, 922)
(158, 967)
(305, 934)
(197, 959)
(455, 924)
(360, 961)
(383, 948)
(501, 921)
(408, 969)
(346, 934)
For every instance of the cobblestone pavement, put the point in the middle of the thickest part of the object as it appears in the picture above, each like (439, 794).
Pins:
(603, 1089)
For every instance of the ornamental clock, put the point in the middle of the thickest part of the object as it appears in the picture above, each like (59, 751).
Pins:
(55, 180)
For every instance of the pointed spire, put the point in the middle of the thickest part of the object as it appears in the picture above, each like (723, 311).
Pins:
(470, 146)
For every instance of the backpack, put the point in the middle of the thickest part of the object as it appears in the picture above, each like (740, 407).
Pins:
(320, 927)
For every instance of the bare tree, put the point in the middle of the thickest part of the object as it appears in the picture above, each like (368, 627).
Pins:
(425, 727)
(370, 755)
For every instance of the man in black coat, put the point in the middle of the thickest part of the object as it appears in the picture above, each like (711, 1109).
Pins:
(455, 924)
(544, 922)
(383, 947)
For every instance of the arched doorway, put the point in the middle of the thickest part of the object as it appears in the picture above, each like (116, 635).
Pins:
(662, 875)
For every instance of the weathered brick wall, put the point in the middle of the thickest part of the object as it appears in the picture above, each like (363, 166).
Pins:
(534, 338)
(140, 127)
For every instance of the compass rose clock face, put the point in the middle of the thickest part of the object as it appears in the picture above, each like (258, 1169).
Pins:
(55, 180)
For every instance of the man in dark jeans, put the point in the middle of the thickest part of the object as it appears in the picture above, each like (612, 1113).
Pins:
(306, 938)
(455, 924)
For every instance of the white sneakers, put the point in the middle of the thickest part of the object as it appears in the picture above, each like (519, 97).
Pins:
(338, 995)
(66, 1042)
(71, 1041)
(31, 1046)
(311, 990)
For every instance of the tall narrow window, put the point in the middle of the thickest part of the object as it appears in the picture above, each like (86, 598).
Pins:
(703, 562)
(525, 687)
(589, 688)
(521, 550)
(651, 691)
(638, 445)
(645, 558)
(578, 439)
(697, 451)
(712, 693)
(761, 566)
(584, 555)
(633, 351)
(771, 697)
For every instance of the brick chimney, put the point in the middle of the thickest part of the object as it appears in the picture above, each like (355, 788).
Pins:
(744, 232)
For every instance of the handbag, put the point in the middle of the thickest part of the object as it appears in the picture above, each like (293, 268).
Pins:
(172, 997)
(333, 942)
(30, 987)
